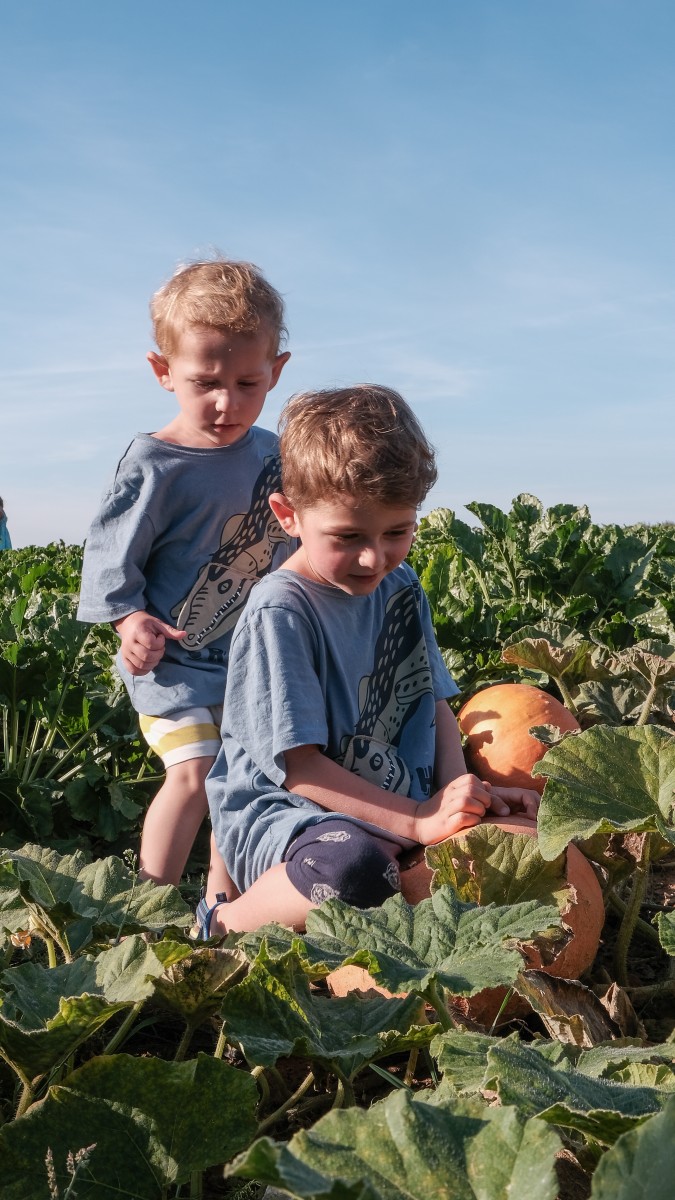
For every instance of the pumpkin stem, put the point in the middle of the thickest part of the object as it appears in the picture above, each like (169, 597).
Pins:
(566, 695)
(647, 706)
(629, 921)
(436, 997)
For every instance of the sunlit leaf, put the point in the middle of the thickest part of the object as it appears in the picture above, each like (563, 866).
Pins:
(404, 1149)
(488, 865)
(439, 941)
(604, 780)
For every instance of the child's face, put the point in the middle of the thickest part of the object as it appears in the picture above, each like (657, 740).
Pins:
(348, 544)
(220, 381)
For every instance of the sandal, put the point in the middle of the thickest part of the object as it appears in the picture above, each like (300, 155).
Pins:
(201, 930)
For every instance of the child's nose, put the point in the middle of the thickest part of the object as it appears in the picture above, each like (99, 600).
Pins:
(223, 400)
(371, 557)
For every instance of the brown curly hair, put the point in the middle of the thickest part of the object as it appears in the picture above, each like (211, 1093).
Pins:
(362, 441)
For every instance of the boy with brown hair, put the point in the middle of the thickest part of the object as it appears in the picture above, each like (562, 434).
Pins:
(339, 748)
(185, 531)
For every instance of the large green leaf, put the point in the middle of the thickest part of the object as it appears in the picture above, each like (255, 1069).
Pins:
(34, 1051)
(653, 661)
(66, 897)
(488, 865)
(405, 1149)
(569, 656)
(124, 974)
(641, 1163)
(152, 1124)
(598, 1108)
(273, 1013)
(604, 780)
(613, 701)
(439, 941)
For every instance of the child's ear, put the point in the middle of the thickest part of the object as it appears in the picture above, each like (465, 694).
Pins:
(160, 369)
(284, 513)
(278, 366)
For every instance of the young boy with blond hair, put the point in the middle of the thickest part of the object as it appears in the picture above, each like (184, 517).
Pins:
(185, 532)
(339, 747)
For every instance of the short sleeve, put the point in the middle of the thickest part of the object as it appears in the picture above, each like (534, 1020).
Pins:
(116, 550)
(274, 699)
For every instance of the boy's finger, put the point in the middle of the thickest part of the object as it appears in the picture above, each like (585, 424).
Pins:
(531, 805)
(454, 825)
(170, 631)
(499, 806)
(471, 806)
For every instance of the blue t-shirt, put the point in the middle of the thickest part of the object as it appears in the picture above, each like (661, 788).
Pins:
(358, 676)
(184, 533)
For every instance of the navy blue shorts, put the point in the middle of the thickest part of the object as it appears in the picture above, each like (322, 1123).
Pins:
(337, 858)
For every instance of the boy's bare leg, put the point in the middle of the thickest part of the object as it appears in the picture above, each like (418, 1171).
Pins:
(271, 898)
(218, 880)
(173, 820)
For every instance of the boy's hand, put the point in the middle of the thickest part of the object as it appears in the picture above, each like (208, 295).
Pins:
(143, 639)
(509, 800)
(456, 806)
(463, 803)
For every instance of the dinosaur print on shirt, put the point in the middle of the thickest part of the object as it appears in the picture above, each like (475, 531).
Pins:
(216, 599)
(389, 696)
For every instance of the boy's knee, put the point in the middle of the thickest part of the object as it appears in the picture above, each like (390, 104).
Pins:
(189, 775)
(343, 861)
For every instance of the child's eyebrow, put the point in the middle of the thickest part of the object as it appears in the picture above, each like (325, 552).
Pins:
(394, 527)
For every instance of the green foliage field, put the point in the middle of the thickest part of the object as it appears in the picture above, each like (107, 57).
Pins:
(72, 769)
(137, 1063)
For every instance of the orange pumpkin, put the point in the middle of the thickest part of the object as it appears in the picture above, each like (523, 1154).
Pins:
(496, 724)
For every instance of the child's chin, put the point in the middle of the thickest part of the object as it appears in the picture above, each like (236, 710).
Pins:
(361, 585)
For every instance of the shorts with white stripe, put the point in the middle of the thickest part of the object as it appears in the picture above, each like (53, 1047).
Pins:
(191, 733)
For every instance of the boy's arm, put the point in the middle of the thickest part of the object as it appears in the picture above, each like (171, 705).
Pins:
(116, 551)
(449, 761)
(312, 774)
(118, 544)
(460, 801)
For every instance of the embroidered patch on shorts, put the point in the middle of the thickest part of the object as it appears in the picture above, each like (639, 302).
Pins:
(334, 835)
(321, 892)
(393, 876)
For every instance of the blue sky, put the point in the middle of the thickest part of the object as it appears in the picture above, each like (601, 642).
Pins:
(471, 202)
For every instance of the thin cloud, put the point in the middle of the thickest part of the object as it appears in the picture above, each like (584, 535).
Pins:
(56, 370)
